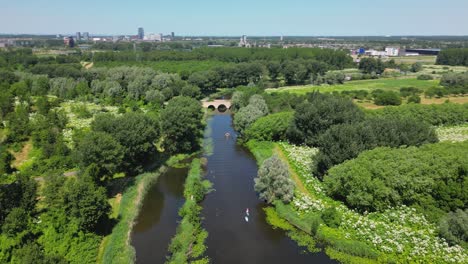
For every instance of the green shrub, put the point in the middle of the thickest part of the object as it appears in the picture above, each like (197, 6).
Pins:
(387, 98)
(416, 99)
(432, 178)
(270, 128)
(331, 217)
(425, 77)
(333, 238)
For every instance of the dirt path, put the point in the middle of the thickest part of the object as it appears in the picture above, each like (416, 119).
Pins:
(22, 156)
(294, 176)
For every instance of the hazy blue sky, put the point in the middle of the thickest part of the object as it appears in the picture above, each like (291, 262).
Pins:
(237, 17)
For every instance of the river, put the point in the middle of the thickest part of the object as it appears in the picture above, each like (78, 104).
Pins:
(231, 239)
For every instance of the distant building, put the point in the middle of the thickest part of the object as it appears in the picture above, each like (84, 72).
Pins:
(141, 33)
(172, 35)
(154, 37)
(424, 51)
(86, 36)
(243, 42)
(281, 38)
(69, 41)
(392, 51)
(376, 53)
(78, 36)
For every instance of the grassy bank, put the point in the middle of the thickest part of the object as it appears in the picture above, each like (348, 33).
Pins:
(117, 247)
(188, 245)
(397, 235)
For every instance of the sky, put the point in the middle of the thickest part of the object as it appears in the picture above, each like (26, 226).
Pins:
(236, 17)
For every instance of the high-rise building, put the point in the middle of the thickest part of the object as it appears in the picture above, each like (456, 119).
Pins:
(172, 35)
(69, 41)
(78, 36)
(141, 33)
(86, 36)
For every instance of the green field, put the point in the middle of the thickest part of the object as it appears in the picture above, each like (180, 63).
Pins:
(384, 84)
(413, 59)
(168, 66)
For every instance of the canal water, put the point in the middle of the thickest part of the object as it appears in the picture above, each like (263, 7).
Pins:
(158, 218)
(231, 239)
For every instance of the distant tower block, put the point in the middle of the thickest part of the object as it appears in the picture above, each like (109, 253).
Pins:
(141, 33)
(172, 35)
(78, 36)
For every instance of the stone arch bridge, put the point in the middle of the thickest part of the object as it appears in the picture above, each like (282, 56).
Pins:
(219, 104)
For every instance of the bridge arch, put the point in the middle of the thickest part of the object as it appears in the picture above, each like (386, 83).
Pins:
(220, 104)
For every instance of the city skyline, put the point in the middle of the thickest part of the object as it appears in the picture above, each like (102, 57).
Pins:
(260, 18)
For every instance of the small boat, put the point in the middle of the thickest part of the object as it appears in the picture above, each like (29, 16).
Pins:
(247, 211)
(246, 219)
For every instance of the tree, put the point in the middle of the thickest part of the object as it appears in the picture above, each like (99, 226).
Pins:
(245, 117)
(387, 98)
(6, 158)
(294, 72)
(416, 67)
(318, 113)
(85, 203)
(414, 99)
(258, 101)
(6, 103)
(272, 127)
(16, 222)
(181, 125)
(137, 133)
(371, 65)
(99, 149)
(273, 181)
(454, 227)
(18, 124)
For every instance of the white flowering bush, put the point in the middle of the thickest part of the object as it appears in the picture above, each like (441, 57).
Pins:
(401, 231)
(301, 155)
(76, 123)
(453, 133)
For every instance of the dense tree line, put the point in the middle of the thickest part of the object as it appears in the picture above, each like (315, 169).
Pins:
(338, 59)
(436, 115)
(432, 178)
(453, 57)
(345, 141)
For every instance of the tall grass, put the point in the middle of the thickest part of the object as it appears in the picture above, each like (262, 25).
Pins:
(119, 249)
(188, 244)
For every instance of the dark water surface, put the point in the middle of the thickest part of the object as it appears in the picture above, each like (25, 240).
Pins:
(231, 239)
(157, 222)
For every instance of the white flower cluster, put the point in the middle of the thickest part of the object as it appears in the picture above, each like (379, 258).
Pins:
(453, 134)
(400, 230)
(403, 231)
(76, 123)
(301, 155)
(304, 204)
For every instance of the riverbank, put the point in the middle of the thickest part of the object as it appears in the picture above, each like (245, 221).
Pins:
(396, 235)
(118, 248)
